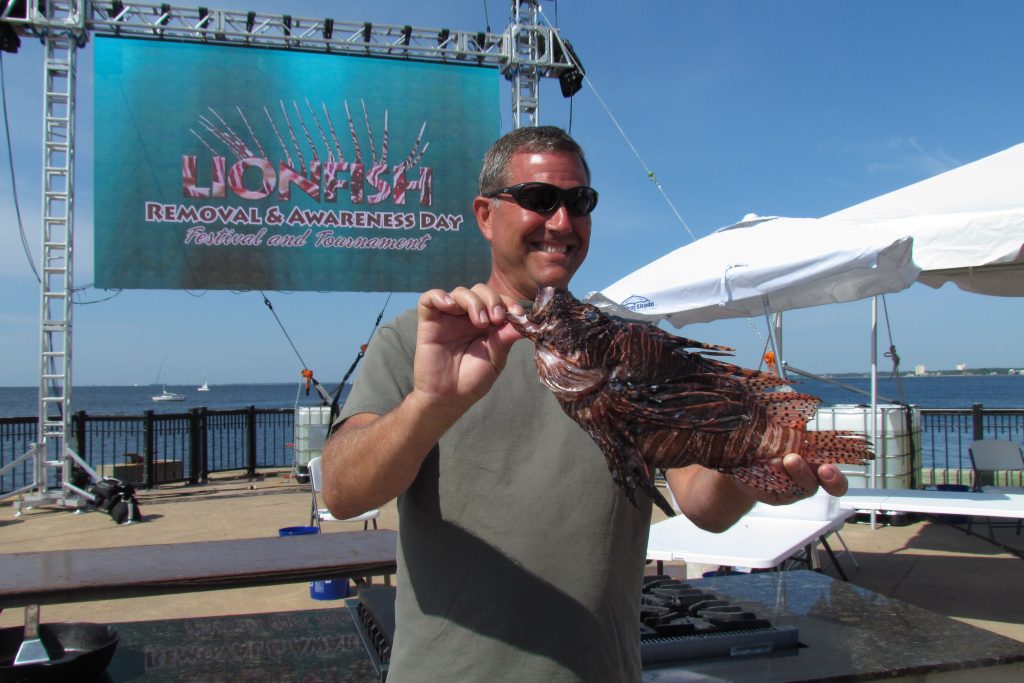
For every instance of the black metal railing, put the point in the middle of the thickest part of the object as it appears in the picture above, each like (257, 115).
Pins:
(155, 448)
(947, 434)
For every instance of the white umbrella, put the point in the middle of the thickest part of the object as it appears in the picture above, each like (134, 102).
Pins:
(765, 265)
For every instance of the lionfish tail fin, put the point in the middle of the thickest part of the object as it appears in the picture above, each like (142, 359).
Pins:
(846, 447)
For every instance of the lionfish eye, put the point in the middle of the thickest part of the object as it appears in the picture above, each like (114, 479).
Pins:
(592, 315)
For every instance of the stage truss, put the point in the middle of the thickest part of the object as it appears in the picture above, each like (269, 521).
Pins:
(525, 53)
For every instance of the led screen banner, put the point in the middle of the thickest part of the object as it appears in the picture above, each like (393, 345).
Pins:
(223, 167)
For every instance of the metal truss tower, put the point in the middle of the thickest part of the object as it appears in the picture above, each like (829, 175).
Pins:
(527, 42)
(62, 30)
(525, 53)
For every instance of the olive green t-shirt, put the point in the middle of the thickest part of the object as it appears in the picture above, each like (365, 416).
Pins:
(518, 557)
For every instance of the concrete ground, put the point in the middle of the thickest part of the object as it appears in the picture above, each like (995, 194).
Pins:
(927, 563)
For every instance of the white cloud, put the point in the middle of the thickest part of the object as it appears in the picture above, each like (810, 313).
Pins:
(906, 156)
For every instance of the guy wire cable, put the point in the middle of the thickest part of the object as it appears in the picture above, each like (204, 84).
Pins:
(10, 163)
(650, 174)
(306, 372)
(336, 394)
(281, 325)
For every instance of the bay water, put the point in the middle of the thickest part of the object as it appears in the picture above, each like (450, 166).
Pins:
(134, 400)
(932, 391)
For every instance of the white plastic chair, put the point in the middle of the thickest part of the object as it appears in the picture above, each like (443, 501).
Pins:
(319, 514)
(989, 456)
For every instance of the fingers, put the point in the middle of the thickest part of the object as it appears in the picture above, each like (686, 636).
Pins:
(827, 476)
(832, 480)
(480, 304)
(800, 472)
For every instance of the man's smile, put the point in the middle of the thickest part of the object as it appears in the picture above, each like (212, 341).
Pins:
(552, 248)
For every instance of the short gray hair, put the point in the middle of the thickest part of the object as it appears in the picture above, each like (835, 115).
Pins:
(494, 173)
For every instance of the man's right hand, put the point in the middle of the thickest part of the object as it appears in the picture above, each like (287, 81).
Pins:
(462, 344)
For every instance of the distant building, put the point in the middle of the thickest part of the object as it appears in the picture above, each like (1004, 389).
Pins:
(920, 371)
(960, 367)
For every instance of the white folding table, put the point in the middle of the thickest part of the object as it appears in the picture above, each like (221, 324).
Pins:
(762, 539)
(970, 503)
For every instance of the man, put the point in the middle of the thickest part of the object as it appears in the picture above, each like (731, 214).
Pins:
(519, 558)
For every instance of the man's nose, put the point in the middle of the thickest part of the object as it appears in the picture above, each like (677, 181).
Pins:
(560, 220)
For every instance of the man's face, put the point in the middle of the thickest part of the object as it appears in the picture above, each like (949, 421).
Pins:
(531, 249)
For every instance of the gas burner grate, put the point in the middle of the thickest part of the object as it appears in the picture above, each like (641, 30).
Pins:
(374, 616)
(680, 622)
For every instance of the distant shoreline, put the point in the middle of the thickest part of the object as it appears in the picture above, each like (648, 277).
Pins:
(974, 372)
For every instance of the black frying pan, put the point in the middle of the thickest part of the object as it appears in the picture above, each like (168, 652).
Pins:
(79, 652)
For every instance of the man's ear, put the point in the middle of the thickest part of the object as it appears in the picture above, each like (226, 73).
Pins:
(483, 209)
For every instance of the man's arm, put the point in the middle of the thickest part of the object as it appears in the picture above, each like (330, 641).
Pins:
(461, 346)
(715, 501)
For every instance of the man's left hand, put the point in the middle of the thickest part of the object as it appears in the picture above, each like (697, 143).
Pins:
(809, 478)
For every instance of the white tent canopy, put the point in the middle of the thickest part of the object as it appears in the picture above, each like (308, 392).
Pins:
(965, 226)
(765, 264)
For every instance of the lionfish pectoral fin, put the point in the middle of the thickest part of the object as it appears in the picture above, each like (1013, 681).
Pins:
(682, 405)
(789, 408)
(660, 501)
(763, 476)
(628, 468)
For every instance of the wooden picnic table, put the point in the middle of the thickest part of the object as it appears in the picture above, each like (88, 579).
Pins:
(58, 576)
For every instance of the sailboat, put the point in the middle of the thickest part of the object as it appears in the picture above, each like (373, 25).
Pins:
(205, 387)
(165, 395)
(168, 396)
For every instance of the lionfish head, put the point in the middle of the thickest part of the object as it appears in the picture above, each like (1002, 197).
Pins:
(560, 323)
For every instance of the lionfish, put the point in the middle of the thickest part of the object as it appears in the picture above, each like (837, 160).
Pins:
(651, 399)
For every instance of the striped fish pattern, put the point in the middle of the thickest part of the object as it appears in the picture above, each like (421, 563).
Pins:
(652, 400)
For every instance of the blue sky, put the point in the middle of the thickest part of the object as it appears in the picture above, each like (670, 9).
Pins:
(797, 108)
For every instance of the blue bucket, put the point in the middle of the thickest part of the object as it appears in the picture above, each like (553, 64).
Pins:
(329, 589)
(326, 589)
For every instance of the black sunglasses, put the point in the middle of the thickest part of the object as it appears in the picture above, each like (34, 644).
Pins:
(544, 198)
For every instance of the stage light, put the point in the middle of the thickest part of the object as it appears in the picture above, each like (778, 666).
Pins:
(367, 30)
(117, 9)
(9, 40)
(443, 36)
(406, 35)
(250, 21)
(165, 14)
(203, 14)
(328, 28)
(481, 45)
(287, 19)
(571, 81)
